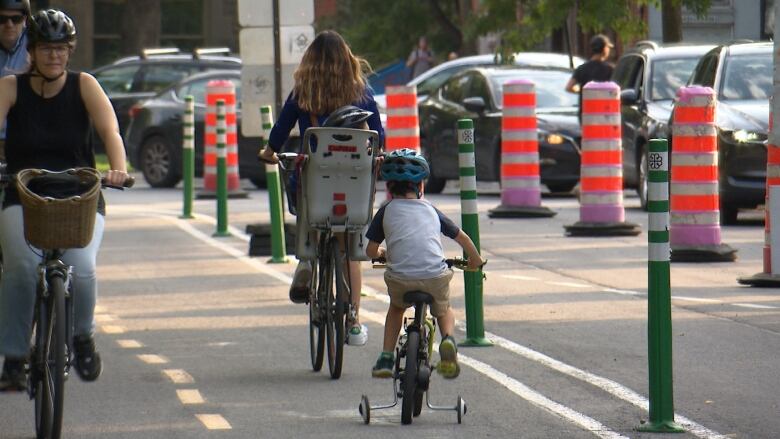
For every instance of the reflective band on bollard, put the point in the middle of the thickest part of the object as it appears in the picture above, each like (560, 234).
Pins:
(469, 214)
(659, 300)
(188, 155)
(222, 181)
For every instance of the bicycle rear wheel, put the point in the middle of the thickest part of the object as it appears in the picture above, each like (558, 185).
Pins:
(409, 385)
(50, 362)
(337, 314)
(316, 323)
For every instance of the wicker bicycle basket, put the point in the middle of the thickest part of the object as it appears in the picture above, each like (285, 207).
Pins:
(59, 208)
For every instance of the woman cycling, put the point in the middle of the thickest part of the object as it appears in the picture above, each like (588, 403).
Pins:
(329, 77)
(48, 112)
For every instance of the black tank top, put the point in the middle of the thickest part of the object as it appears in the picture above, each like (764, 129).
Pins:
(50, 133)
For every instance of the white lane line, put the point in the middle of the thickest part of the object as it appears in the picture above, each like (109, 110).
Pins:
(129, 344)
(754, 306)
(525, 392)
(612, 387)
(605, 384)
(519, 277)
(189, 396)
(696, 299)
(178, 376)
(623, 292)
(569, 284)
(152, 359)
(213, 422)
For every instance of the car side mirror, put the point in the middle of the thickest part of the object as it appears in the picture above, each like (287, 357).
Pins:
(475, 104)
(628, 97)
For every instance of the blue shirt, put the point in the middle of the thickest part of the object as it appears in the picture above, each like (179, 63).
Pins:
(292, 113)
(15, 61)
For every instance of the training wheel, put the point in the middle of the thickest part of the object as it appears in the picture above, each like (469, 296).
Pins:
(365, 409)
(461, 407)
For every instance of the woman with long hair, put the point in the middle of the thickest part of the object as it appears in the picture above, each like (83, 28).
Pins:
(329, 77)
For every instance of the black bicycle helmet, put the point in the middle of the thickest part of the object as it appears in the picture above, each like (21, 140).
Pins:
(348, 116)
(16, 5)
(51, 26)
(404, 165)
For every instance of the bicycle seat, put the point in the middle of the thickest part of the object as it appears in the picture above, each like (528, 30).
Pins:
(418, 297)
(338, 178)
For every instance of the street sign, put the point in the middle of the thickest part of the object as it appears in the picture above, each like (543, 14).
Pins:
(259, 13)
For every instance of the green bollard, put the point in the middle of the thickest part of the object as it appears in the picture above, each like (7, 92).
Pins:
(221, 171)
(659, 305)
(278, 246)
(469, 214)
(188, 155)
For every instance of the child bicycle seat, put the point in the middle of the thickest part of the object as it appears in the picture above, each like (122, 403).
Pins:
(338, 178)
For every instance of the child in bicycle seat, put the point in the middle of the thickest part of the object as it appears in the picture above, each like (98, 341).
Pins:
(411, 228)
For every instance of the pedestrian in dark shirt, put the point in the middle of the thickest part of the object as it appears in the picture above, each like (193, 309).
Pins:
(595, 69)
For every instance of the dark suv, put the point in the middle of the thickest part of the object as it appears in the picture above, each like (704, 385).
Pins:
(741, 75)
(649, 75)
(130, 79)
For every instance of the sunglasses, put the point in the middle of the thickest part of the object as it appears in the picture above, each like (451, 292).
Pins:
(15, 19)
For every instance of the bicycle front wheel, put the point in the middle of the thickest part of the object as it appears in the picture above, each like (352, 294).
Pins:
(50, 362)
(409, 385)
(316, 323)
(338, 296)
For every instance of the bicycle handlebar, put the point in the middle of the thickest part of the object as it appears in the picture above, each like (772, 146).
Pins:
(459, 263)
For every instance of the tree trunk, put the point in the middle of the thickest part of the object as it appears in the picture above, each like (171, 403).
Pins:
(141, 25)
(671, 13)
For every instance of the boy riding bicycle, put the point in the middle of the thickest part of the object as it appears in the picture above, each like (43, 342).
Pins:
(411, 227)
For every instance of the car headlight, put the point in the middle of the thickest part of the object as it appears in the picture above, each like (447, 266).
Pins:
(551, 138)
(744, 136)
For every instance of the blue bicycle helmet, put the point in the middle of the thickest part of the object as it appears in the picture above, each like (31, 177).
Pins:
(404, 165)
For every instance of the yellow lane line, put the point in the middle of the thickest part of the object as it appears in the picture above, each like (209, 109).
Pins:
(214, 422)
(152, 359)
(179, 376)
(190, 396)
(130, 344)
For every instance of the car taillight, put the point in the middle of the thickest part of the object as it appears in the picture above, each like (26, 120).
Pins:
(134, 110)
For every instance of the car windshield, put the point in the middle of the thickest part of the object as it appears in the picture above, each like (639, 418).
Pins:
(668, 75)
(550, 86)
(428, 85)
(747, 77)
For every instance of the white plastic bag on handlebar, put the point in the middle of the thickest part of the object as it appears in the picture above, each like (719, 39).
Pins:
(337, 179)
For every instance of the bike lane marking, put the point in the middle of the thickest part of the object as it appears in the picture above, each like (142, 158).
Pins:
(605, 384)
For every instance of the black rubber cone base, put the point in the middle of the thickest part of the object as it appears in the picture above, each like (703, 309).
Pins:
(520, 212)
(581, 228)
(761, 280)
(203, 194)
(260, 239)
(704, 253)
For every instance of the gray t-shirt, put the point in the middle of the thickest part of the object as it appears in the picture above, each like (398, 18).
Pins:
(412, 230)
(420, 60)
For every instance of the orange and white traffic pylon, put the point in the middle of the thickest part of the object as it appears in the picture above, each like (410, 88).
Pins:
(225, 90)
(770, 276)
(520, 181)
(601, 171)
(402, 128)
(694, 233)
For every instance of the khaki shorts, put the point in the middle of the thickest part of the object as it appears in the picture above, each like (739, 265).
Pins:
(438, 287)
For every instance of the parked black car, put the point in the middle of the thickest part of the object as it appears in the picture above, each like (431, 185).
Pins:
(476, 94)
(154, 135)
(741, 75)
(131, 79)
(649, 75)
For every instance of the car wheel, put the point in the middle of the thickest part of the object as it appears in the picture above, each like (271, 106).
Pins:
(728, 215)
(157, 162)
(561, 187)
(642, 185)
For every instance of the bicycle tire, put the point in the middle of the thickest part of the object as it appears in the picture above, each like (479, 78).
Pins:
(341, 301)
(316, 327)
(410, 377)
(57, 353)
(328, 303)
(38, 391)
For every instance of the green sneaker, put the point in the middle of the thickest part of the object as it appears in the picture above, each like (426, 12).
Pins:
(448, 351)
(384, 366)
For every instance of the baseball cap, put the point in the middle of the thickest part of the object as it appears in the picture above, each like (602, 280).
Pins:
(598, 42)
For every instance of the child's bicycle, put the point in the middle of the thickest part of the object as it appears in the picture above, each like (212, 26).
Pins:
(415, 351)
